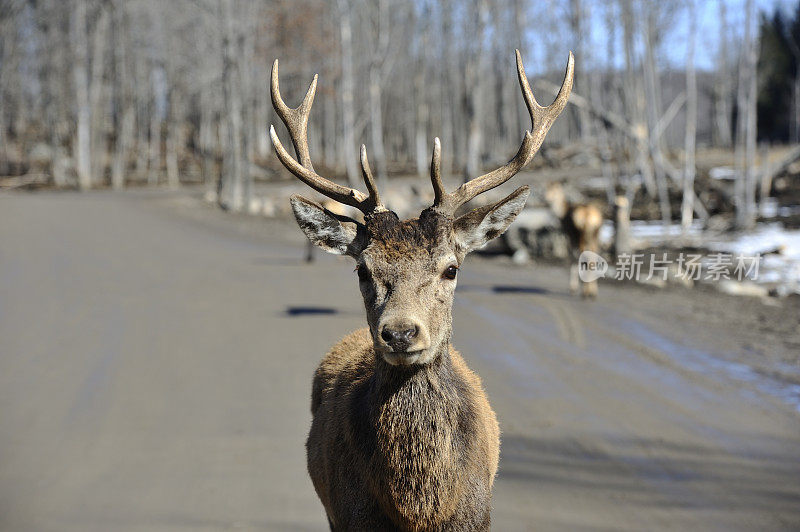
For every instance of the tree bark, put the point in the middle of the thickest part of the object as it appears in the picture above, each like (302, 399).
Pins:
(82, 147)
(744, 186)
(448, 89)
(687, 206)
(634, 98)
(57, 95)
(750, 141)
(174, 139)
(579, 34)
(142, 96)
(348, 88)
(421, 141)
(653, 95)
(376, 77)
(622, 226)
(231, 190)
(722, 85)
(98, 146)
(154, 165)
(123, 97)
(474, 93)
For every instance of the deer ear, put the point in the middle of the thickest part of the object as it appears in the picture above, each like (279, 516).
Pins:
(480, 225)
(334, 233)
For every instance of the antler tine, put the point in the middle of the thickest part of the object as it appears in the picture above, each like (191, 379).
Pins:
(543, 117)
(541, 120)
(436, 173)
(296, 121)
(369, 180)
(337, 192)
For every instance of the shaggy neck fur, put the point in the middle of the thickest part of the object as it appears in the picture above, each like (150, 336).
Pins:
(416, 414)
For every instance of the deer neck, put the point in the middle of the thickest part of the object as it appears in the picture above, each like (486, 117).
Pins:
(416, 413)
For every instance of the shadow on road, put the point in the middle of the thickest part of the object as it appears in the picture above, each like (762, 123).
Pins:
(310, 311)
(517, 289)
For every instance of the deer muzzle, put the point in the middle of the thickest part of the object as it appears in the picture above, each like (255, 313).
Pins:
(402, 340)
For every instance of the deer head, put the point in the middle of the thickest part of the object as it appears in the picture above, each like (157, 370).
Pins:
(556, 199)
(407, 270)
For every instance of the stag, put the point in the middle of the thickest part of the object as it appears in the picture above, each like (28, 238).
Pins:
(402, 435)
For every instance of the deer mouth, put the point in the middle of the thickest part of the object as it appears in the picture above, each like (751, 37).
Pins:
(403, 358)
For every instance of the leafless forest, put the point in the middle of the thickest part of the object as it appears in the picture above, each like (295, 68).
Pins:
(121, 93)
(162, 323)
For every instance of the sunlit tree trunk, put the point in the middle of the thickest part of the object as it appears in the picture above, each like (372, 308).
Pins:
(687, 206)
(474, 91)
(231, 196)
(97, 93)
(746, 125)
(580, 35)
(380, 44)
(634, 98)
(82, 144)
(123, 97)
(174, 138)
(448, 88)
(5, 44)
(56, 108)
(348, 88)
(653, 95)
(722, 84)
(154, 164)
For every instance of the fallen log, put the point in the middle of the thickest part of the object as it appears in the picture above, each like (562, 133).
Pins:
(11, 182)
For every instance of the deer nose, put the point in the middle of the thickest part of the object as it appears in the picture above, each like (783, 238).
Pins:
(399, 337)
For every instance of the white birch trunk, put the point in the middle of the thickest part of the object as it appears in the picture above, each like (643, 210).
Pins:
(82, 146)
(97, 141)
(348, 88)
(687, 205)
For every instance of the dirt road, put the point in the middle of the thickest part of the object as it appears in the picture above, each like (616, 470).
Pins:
(156, 360)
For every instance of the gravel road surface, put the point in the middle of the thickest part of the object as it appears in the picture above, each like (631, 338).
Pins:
(156, 359)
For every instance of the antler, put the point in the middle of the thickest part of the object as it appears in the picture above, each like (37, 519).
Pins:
(296, 121)
(541, 120)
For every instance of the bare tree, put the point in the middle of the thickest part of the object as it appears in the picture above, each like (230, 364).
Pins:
(231, 193)
(687, 206)
(345, 12)
(653, 97)
(97, 96)
(580, 34)
(722, 84)
(633, 95)
(378, 59)
(744, 190)
(123, 96)
(82, 149)
(163, 92)
(475, 83)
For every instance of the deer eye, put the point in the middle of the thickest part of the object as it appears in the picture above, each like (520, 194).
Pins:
(450, 272)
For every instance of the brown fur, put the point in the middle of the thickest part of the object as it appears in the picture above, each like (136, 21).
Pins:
(585, 220)
(422, 442)
(406, 446)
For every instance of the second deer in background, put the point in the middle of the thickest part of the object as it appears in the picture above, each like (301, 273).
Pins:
(581, 223)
